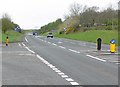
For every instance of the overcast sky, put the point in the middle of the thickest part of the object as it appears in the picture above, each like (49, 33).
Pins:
(30, 14)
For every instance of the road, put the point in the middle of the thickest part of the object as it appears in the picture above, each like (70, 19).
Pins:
(43, 61)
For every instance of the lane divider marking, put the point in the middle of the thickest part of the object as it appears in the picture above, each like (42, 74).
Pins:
(74, 51)
(62, 47)
(96, 58)
(54, 44)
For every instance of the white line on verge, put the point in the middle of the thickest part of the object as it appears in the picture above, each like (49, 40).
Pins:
(96, 58)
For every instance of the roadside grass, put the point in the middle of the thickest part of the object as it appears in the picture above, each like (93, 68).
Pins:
(92, 35)
(12, 36)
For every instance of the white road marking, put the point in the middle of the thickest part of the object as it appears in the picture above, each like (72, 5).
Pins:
(58, 71)
(74, 51)
(54, 44)
(64, 76)
(72, 42)
(69, 79)
(26, 39)
(59, 42)
(30, 50)
(117, 63)
(109, 53)
(49, 42)
(23, 44)
(74, 83)
(96, 58)
(51, 66)
(62, 47)
(55, 69)
(26, 54)
(19, 44)
(61, 73)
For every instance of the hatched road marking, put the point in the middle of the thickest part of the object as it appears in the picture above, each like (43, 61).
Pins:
(96, 58)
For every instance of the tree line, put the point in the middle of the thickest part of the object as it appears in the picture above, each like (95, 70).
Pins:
(7, 23)
(82, 18)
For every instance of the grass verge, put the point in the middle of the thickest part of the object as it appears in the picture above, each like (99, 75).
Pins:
(92, 35)
(12, 36)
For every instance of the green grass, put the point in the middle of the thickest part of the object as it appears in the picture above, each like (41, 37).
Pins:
(12, 36)
(91, 36)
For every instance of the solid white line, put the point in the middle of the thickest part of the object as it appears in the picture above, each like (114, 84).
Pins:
(62, 47)
(74, 83)
(26, 39)
(69, 79)
(30, 50)
(23, 44)
(40, 57)
(74, 51)
(96, 58)
(19, 44)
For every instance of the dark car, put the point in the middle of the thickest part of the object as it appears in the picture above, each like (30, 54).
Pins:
(35, 33)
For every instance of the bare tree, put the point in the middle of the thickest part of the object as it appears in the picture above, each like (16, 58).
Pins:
(75, 9)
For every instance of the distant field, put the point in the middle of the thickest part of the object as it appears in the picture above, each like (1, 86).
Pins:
(91, 36)
(12, 36)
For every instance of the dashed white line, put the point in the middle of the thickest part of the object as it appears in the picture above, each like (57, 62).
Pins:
(58, 71)
(61, 73)
(64, 76)
(49, 42)
(26, 39)
(54, 44)
(74, 51)
(62, 47)
(74, 83)
(69, 79)
(96, 58)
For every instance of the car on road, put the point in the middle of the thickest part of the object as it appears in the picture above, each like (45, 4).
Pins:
(50, 35)
(35, 33)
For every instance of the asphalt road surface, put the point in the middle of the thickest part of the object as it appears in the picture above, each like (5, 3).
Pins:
(52, 61)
